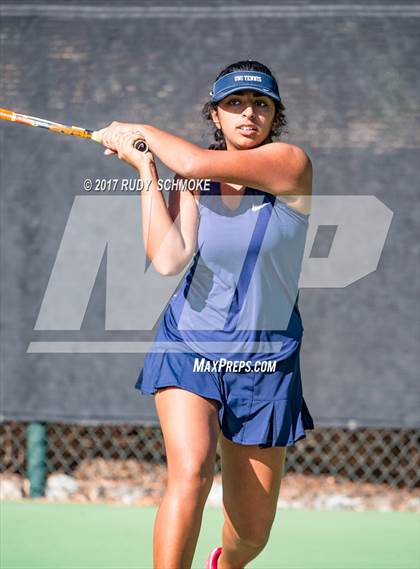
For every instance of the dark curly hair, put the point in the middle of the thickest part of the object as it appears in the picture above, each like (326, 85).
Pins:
(279, 122)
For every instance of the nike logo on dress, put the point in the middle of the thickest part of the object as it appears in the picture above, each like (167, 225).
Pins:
(257, 207)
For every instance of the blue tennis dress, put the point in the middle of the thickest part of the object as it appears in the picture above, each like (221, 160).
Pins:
(232, 331)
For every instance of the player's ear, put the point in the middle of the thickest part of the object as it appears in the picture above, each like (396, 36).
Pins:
(215, 117)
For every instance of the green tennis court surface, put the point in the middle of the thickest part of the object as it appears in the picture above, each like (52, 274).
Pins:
(87, 536)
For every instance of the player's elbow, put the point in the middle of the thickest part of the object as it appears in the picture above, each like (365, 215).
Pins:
(170, 271)
(194, 164)
(189, 169)
(173, 267)
(167, 271)
(164, 267)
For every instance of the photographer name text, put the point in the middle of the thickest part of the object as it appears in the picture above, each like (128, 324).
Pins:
(139, 185)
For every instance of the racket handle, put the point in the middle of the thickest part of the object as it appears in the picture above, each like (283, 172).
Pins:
(139, 144)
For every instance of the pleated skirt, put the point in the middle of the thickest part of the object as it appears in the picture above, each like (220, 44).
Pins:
(255, 407)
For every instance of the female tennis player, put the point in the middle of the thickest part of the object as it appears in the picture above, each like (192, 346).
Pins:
(225, 362)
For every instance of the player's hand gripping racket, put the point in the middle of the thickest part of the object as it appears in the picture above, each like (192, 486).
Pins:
(7, 115)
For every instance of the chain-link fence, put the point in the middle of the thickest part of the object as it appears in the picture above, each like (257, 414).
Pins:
(361, 455)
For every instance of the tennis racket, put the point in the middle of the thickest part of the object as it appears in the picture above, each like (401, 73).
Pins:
(12, 116)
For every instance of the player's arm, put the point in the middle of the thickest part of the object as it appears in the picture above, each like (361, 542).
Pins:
(168, 232)
(276, 168)
(184, 213)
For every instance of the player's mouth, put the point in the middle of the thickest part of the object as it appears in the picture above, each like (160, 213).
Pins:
(248, 129)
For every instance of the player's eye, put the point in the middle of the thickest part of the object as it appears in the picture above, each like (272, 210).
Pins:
(258, 102)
